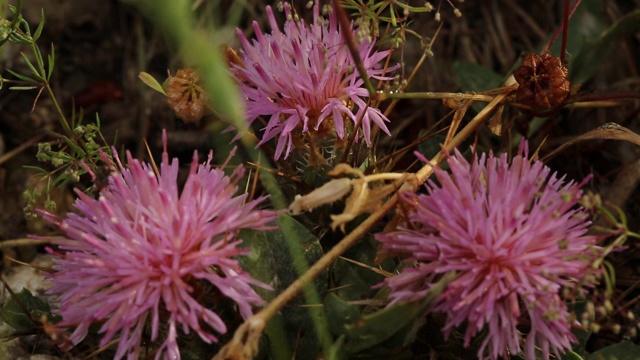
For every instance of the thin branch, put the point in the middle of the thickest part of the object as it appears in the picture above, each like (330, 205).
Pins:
(565, 30)
(557, 32)
(351, 44)
(441, 95)
(34, 140)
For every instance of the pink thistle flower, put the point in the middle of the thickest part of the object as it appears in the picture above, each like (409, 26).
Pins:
(135, 257)
(304, 77)
(514, 236)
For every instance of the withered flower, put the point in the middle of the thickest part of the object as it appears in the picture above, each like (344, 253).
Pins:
(543, 82)
(185, 95)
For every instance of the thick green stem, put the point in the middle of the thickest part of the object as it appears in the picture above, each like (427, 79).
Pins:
(300, 263)
(197, 50)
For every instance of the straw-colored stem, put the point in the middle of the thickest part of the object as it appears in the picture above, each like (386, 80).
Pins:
(456, 141)
(441, 95)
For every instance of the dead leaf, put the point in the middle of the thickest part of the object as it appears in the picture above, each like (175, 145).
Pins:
(609, 131)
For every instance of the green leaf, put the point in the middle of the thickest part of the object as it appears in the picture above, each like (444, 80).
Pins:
(22, 77)
(570, 355)
(582, 335)
(13, 313)
(23, 87)
(59, 181)
(586, 24)
(473, 77)
(373, 329)
(270, 261)
(339, 313)
(470, 76)
(51, 61)
(337, 351)
(36, 168)
(624, 350)
(432, 146)
(393, 17)
(31, 67)
(36, 35)
(413, 9)
(260, 264)
(77, 149)
(18, 38)
(592, 56)
(151, 82)
(309, 247)
(40, 62)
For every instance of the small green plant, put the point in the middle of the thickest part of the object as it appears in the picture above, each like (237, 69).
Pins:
(79, 148)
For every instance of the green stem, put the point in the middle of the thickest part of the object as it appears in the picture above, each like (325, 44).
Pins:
(197, 50)
(268, 180)
(300, 263)
(56, 105)
(43, 77)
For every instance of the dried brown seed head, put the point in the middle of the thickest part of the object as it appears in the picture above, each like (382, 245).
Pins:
(185, 95)
(543, 82)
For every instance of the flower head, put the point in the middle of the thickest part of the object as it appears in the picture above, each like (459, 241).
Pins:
(137, 256)
(305, 80)
(514, 236)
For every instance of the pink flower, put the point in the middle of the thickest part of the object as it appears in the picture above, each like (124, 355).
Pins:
(136, 257)
(514, 236)
(305, 80)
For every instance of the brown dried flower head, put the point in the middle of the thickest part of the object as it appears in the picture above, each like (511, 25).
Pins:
(185, 95)
(543, 82)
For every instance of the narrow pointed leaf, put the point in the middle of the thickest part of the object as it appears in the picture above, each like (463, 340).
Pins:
(51, 61)
(624, 350)
(151, 82)
(31, 67)
(36, 34)
(22, 77)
